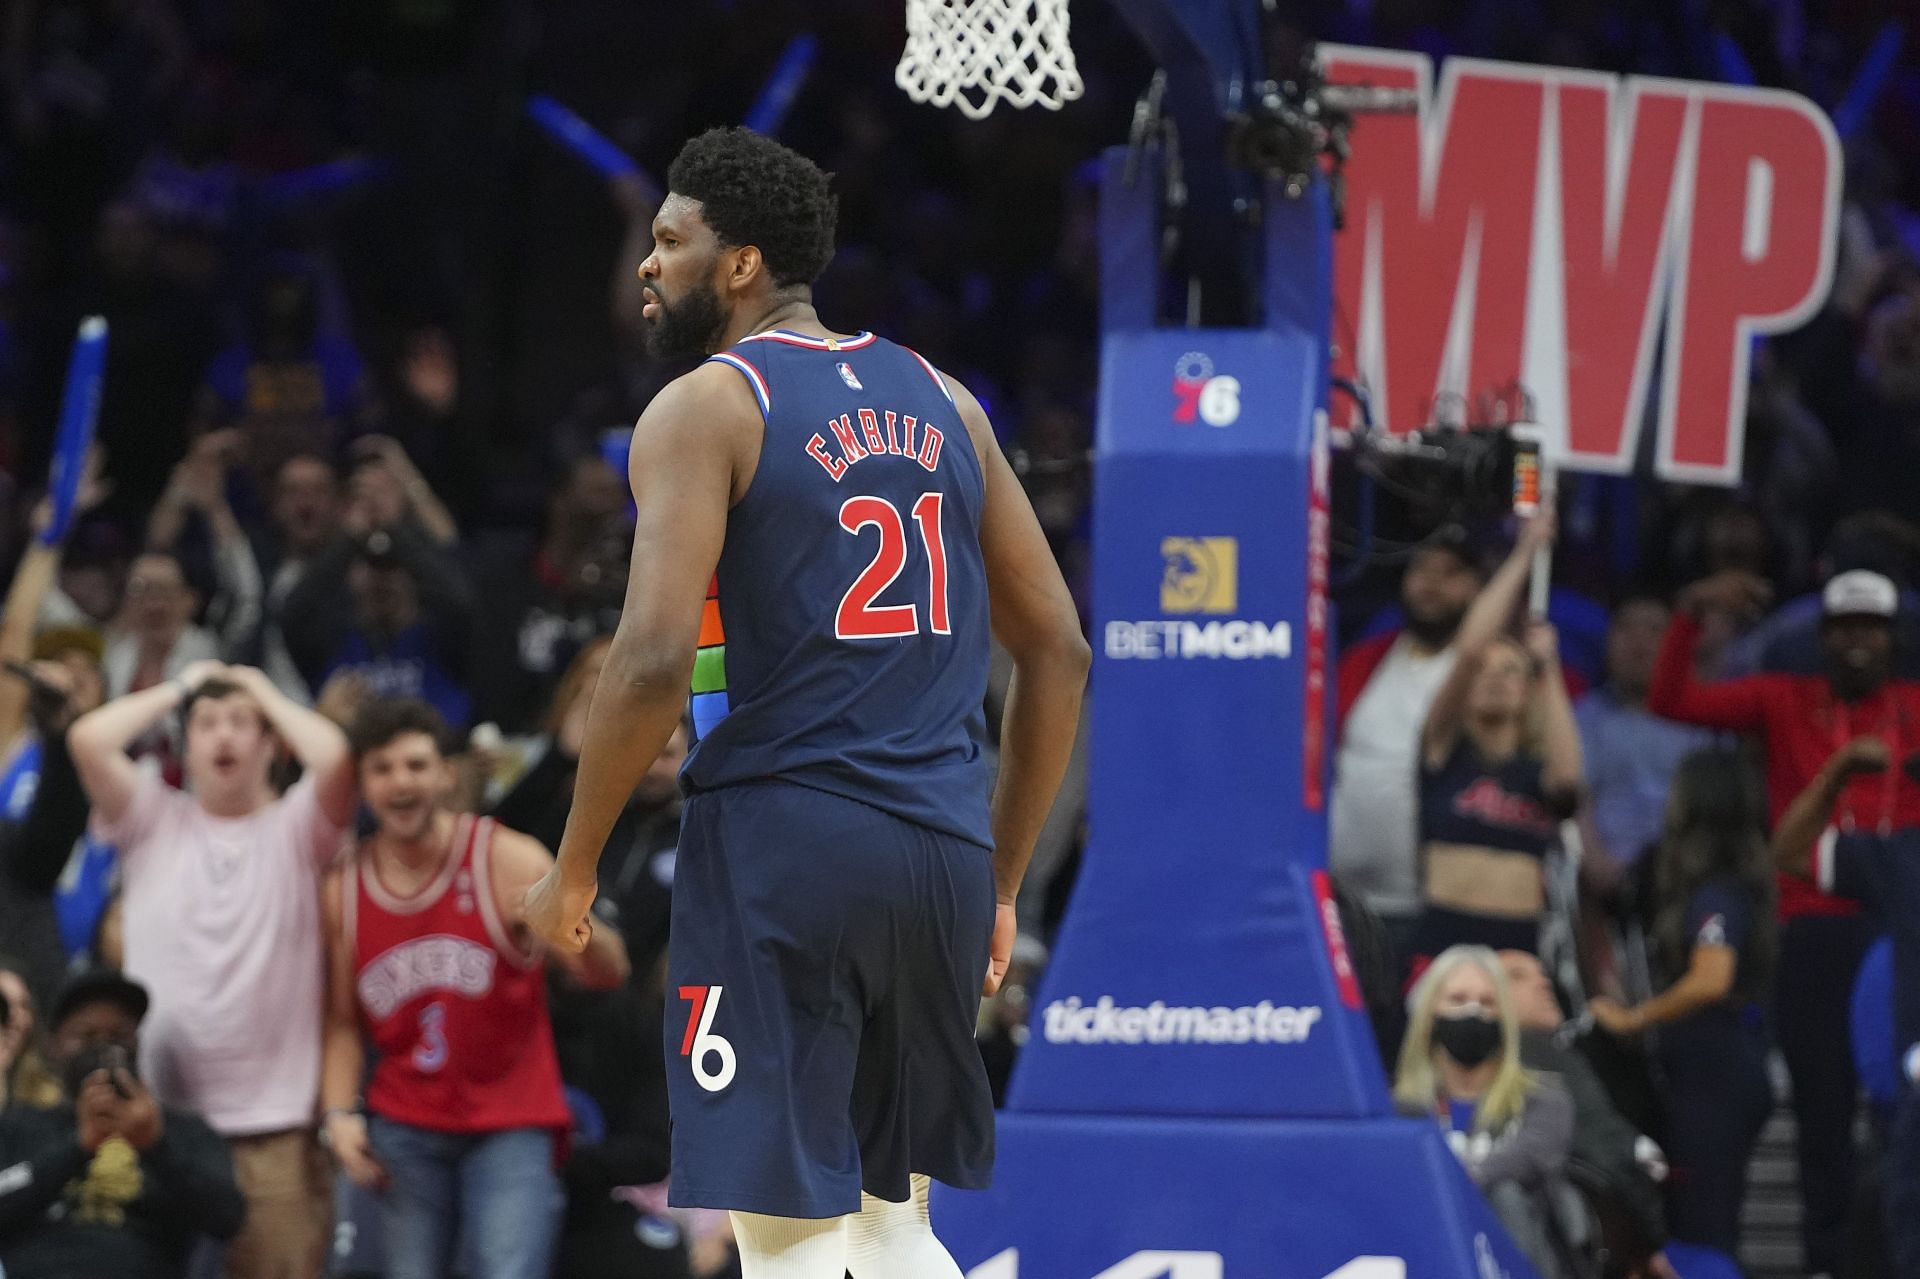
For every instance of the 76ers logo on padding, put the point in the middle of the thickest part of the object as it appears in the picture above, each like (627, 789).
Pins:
(1199, 392)
(700, 1042)
(847, 375)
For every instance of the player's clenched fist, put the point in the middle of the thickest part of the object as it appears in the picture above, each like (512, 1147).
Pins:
(558, 912)
(1006, 927)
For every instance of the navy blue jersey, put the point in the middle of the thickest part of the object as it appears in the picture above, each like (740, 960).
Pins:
(851, 592)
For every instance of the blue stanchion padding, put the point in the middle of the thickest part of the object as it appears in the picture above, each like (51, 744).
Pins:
(79, 412)
(1201, 1096)
(1869, 81)
(579, 137)
(783, 85)
(1194, 974)
(1084, 1197)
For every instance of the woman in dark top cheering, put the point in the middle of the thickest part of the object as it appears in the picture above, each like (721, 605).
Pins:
(1713, 935)
(1499, 771)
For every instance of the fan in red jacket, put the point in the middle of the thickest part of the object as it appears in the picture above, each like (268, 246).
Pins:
(1803, 719)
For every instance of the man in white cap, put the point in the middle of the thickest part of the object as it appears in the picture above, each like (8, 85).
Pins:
(1856, 631)
(1803, 720)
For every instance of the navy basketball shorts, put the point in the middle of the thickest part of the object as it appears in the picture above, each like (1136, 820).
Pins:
(822, 984)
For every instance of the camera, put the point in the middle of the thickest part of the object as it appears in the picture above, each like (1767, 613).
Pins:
(110, 1057)
(1294, 118)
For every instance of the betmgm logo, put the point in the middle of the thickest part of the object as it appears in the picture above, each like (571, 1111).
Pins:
(1199, 574)
(1199, 577)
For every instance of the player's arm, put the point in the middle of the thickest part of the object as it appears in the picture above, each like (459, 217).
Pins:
(1035, 620)
(683, 465)
(519, 862)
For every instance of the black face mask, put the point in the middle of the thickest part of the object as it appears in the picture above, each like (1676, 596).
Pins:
(1468, 1038)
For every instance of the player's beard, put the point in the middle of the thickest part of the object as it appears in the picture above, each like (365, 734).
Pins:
(692, 325)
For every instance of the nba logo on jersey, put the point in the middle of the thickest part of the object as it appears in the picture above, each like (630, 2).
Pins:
(846, 375)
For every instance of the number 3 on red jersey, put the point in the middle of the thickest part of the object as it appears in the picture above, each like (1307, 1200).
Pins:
(859, 617)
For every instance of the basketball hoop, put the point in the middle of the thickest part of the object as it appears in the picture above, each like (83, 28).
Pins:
(974, 53)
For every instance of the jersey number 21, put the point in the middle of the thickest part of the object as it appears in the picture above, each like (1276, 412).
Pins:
(859, 617)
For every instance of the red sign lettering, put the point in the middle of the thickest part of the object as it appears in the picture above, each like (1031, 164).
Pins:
(1540, 226)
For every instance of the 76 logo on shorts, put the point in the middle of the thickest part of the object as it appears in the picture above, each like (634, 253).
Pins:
(700, 1042)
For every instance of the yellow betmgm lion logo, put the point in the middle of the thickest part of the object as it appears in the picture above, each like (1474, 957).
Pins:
(1199, 574)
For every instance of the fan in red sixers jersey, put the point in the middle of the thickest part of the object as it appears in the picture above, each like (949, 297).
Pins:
(428, 958)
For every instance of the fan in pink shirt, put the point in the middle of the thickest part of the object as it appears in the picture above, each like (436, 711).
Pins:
(222, 923)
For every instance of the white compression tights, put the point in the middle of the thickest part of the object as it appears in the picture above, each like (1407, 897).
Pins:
(790, 1247)
(896, 1241)
(883, 1241)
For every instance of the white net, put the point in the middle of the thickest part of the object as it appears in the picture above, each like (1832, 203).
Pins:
(972, 54)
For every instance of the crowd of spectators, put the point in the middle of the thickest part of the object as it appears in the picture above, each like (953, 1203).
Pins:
(1617, 856)
(1740, 669)
(373, 342)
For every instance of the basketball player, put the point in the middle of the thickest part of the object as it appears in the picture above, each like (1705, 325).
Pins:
(844, 891)
(427, 953)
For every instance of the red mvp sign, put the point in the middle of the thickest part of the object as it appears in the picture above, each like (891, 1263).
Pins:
(1554, 228)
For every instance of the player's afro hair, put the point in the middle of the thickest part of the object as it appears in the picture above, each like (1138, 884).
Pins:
(754, 191)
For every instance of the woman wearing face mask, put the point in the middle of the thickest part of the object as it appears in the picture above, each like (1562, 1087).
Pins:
(1460, 1064)
(1714, 940)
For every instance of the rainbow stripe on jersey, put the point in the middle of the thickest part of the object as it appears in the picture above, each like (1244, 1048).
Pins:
(710, 667)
